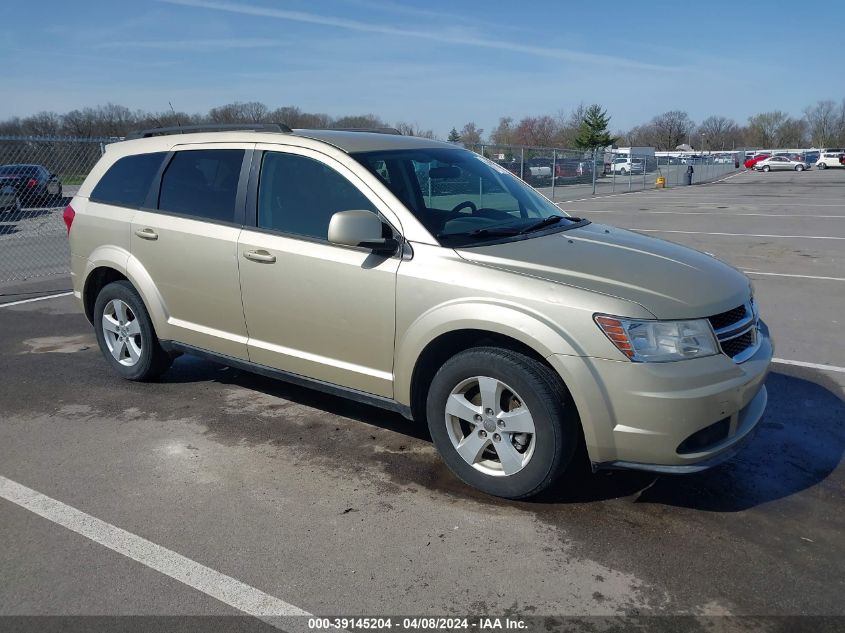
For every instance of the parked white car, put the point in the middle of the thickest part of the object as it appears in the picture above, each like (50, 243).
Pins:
(624, 166)
(830, 158)
(782, 163)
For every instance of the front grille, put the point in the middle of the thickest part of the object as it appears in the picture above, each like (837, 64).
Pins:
(724, 319)
(736, 330)
(737, 345)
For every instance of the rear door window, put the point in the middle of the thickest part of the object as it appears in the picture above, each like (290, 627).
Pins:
(202, 184)
(128, 181)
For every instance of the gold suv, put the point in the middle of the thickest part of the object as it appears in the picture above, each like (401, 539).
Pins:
(420, 277)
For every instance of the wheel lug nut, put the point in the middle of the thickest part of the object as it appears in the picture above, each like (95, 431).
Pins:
(477, 418)
(496, 437)
(482, 433)
(500, 424)
(489, 411)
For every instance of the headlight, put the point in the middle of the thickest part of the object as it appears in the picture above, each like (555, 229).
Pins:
(659, 341)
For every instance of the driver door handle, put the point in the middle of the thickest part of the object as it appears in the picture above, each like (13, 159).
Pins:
(260, 256)
(146, 234)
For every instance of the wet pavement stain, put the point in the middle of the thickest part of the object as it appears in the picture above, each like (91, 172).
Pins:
(60, 344)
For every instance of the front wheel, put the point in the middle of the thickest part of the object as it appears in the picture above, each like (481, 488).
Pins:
(125, 333)
(503, 422)
(767, 168)
(799, 167)
(821, 165)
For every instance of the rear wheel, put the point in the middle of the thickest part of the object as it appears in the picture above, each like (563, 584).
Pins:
(125, 333)
(502, 421)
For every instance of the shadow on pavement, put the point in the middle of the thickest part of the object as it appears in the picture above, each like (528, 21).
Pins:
(799, 443)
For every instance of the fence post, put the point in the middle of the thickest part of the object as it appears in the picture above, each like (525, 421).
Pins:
(612, 171)
(554, 166)
(482, 150)
(522, 163)
(594, 171)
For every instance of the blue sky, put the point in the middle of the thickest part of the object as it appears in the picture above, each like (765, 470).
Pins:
(434, 63)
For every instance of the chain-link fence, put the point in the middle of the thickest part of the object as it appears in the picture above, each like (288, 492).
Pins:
(39, 175)
(566, 174)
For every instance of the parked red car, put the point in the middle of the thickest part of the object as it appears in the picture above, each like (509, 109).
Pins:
(750, 162)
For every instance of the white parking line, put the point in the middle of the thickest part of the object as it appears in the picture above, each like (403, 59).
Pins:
(803, 237)
(755, 272)
(224, 588)
(799, 363)
(22, 301)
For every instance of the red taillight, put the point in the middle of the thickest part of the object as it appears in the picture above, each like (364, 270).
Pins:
(32, 182)
(68, 216)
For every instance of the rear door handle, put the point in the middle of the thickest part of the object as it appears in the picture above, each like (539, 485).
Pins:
(260, 256)
(146, 234)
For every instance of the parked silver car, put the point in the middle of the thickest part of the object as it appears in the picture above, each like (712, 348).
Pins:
(782, 163)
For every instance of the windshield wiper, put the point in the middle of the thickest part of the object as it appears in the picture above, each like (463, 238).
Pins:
(508, 230)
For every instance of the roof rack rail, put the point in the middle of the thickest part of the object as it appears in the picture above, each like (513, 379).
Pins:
(377, 130)
(212, 127)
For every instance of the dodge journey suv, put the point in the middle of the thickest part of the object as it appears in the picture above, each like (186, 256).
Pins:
(423, 278)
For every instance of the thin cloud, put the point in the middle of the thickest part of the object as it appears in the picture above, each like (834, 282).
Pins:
(196, 45)
(438, 35)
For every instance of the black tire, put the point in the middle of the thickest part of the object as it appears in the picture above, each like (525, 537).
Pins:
(821, 166)
(799, 168)
(766, 168)
(556, 422)
(153, 360)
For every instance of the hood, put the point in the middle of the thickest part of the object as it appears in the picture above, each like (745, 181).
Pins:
(668, 280)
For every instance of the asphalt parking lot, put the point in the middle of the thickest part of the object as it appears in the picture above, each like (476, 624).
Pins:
(336, 508)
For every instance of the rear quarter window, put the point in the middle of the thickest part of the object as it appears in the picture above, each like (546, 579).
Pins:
(127, 182)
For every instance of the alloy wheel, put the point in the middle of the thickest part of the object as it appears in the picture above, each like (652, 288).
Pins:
(122, 332)
(490, 426)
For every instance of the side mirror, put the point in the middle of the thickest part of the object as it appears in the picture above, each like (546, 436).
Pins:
(360, 228)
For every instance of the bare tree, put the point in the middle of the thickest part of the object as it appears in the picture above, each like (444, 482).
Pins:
(471, 134)
(412, 129)
(822, 123)
(41, 124)
(764, 128)
(720, 132)
(229, 113)
(81, 123)
(793, 133)
(535, 130)
(568, 124)
(254, 112)
(504, 132)
(359, 120)
(671, 129)
(294, 117)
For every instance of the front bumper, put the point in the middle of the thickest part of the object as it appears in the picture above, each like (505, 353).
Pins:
(637, 415)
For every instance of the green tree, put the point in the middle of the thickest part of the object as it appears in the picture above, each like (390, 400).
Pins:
(593, 134)
(454, 137)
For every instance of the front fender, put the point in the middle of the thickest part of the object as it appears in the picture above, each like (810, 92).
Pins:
(500, 317)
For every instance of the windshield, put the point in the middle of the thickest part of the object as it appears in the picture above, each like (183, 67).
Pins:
(463, 198)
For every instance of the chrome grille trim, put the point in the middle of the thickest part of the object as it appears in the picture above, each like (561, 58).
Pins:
(747, 324)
